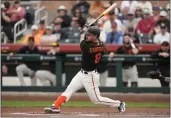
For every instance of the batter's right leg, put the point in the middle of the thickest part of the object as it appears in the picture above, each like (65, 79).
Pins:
(91, 86)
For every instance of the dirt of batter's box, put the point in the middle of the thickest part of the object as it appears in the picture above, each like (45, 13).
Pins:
(84, 97)
(38, 111)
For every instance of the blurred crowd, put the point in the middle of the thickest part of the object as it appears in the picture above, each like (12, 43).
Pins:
(146, 23)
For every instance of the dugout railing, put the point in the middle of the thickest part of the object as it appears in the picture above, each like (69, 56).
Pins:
(77, 58)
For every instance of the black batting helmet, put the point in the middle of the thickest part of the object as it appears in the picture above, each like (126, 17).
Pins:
(93, 31)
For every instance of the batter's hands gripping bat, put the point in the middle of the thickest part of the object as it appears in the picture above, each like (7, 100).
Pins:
(104, 13)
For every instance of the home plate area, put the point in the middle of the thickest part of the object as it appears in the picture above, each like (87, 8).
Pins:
(83, 115)
(75, 112)
(88, 111)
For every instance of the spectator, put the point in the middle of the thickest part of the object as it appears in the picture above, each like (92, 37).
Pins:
(96, 7)
(146, 5)
(102, 20)
(57, 30)
(91, 18)
(168, 11)
(146, 25)
(81, 19)
(125, 4)
(163, 19)
(123, 15)
(163, 66)
(48, 77)
(156, 13)
(114, 37)
(102, 36)
(65, 19)
(57, 20)
(72, 34)
(48, 38)
(112, 18)
(134, 36)
(162, 36)
(131, 5)
(42, 26)
(130, 22)
(138, 13)
(27, 67)
(17, 12)
(129, 69)
(83, 6)
(34, 34)
(6, 22)
(7, 5)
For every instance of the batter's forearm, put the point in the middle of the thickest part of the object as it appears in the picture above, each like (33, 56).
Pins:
(82, 37)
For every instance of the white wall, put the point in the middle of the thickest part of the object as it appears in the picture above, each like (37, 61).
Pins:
(143, 82)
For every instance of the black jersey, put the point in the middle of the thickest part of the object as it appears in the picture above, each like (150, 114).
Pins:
(91, 54)
(34, 65)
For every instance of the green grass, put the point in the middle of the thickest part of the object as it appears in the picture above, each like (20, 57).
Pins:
(77, 104)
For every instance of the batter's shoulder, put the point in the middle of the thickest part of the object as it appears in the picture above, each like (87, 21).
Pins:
(82, 43)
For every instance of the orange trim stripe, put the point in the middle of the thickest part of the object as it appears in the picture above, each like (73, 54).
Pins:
(95, 91)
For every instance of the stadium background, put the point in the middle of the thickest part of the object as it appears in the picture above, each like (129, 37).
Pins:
(12, 96)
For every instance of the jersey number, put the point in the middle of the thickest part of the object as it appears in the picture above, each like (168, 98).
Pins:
(97, 58)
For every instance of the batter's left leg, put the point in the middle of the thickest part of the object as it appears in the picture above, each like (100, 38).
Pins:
(91, 86)
(75, 85)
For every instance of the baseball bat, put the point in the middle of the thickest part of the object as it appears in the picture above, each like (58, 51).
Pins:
(104, 13)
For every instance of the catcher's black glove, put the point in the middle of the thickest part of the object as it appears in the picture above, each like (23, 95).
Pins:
(157, 75)
(154, 74)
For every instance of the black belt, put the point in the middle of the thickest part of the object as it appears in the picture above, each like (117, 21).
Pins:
(85, 72)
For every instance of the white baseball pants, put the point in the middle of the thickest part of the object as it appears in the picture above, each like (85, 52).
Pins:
(23, 69)
(45, 77)
(90, 82)
(130, 73)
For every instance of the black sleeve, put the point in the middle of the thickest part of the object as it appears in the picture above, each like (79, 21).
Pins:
(155, 54)
(21, 50)
(84, 46)
(67, 21)
(119, 50)
(37, 51)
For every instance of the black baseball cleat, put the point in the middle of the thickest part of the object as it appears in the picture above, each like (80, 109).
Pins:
(51, 109)
(122, 108)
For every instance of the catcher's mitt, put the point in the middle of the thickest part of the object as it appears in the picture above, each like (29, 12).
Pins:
(154, 74)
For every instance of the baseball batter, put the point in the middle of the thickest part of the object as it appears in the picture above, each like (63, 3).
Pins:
(88, 77)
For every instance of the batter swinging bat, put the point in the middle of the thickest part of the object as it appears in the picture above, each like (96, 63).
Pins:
(104, 13)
